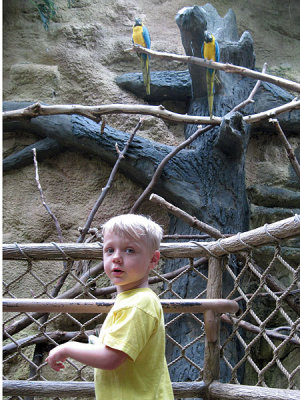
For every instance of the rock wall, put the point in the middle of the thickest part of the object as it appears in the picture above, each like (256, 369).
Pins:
(77, 61)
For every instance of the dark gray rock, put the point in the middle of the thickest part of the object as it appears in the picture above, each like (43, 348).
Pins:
(192, 22)
(165, 85)
(270, 196)
(271, 96)
(45, 148)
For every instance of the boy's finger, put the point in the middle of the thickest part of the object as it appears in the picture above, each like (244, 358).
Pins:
(58, 366)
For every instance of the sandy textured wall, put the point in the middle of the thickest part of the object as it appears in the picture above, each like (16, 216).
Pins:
(76, 61)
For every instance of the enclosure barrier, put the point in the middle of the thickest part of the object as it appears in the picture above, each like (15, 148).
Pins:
(253, 286)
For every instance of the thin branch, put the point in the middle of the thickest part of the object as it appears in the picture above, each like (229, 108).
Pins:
(162, 164)
(189, 237)
(62, 279)
(22, 323)
(191, 221)
(273, 284)
(292, 105)
(228, 68)
(292, 292)
(39, 348)
(255, 329)
(100, 292)
(288, 147)
(285, 328)
(58, 336)
(270, 280)
(252, 94)
(57, 225)
(108, 185)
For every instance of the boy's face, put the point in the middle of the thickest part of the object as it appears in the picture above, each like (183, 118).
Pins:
(127, 261)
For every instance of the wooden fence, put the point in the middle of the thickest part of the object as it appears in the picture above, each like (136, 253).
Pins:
(256, 310)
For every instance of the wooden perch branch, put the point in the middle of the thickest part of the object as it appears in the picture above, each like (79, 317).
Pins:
(269, 233)
(228, 68)
(94, 112)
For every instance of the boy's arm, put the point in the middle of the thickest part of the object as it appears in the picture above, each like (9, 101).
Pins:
(97, 356)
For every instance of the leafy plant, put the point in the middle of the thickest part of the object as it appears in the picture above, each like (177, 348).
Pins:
(47, 10)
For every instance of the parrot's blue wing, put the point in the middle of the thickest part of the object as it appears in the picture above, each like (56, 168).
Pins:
(146, 59)
(217, 51)
(146, 37)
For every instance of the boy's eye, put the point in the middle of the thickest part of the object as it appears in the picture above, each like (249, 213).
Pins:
(109, 250)
(129, 251)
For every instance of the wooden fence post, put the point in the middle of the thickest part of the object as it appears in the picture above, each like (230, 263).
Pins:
(211, 369)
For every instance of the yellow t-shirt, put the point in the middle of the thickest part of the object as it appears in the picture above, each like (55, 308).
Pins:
(135, 325)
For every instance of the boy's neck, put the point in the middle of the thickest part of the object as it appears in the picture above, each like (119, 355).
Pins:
(143, 285)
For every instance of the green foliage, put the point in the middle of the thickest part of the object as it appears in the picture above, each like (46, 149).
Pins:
(47, 10)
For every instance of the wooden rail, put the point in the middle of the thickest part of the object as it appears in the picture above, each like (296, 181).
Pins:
(85, 389)
(225, 391)
(284, 229)
(209, 307)
(215, 391)
(103, 306)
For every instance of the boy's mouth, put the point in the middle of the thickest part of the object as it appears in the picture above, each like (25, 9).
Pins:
(117, 271)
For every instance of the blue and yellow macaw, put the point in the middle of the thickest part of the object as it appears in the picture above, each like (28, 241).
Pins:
(210, 51)
(141, 36)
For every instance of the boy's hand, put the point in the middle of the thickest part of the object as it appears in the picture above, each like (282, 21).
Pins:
(56, 358)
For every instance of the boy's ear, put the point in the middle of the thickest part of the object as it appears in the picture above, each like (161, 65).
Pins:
(155, 258)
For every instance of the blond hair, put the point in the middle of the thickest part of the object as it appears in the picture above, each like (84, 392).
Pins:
(136, 226)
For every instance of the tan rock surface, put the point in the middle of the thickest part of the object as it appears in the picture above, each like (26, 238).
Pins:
(76, 61)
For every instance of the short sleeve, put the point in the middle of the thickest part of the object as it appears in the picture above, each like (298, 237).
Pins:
(130, 331)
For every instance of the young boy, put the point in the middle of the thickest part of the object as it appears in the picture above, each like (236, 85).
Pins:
(129, 356)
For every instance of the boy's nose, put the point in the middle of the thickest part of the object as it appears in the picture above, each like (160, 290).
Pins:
(117, 257)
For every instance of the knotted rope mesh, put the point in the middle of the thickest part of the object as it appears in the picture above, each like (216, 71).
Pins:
(264, 336)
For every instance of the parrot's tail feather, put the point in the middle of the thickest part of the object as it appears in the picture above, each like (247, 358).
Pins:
(210, 90)
(146, 73)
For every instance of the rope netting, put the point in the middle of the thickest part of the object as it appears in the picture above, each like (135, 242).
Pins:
(258, 346)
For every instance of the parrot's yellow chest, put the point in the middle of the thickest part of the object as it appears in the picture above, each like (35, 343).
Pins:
(137, 36)
(209, 51)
